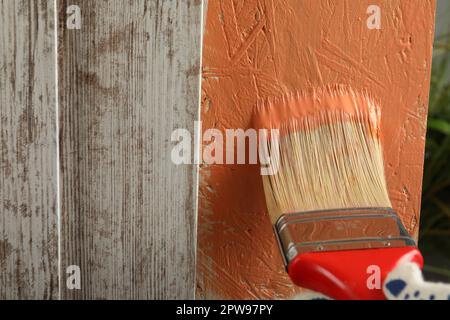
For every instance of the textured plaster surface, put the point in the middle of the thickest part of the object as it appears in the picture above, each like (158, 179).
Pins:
(259, 48)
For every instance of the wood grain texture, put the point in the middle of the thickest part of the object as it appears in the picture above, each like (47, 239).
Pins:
(129, 77)
(28, 214)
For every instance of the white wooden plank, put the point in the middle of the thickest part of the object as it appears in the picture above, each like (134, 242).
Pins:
(28, 210)
(128, 78)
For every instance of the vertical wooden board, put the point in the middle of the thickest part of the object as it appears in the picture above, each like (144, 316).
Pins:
(259, 48)
(28, 186)
(127, 79)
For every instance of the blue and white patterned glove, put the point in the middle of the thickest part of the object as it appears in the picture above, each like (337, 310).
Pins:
(405, 282)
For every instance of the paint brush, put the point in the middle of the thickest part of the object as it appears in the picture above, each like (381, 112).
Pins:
(327, 197)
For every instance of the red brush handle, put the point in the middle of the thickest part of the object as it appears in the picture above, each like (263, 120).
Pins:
(346, 274)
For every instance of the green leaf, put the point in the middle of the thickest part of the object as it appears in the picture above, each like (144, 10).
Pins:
(442, 206)
(436, 270)
(439, 125)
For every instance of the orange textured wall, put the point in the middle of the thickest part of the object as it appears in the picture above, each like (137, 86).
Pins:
(258, 48)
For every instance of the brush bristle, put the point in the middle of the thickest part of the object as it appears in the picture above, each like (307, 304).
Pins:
(327, 160)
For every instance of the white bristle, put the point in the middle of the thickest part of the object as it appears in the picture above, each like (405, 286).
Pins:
(327, 161)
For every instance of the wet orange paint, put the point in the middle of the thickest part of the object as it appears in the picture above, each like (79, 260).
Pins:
(316, 103)
(257, 49)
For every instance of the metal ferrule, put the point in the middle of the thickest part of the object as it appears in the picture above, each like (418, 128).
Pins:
(342, 229)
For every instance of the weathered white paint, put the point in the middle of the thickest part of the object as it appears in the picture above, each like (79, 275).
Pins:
(28, 231)
(127, 79)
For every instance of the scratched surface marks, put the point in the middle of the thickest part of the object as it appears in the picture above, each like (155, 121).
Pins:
(258, 48)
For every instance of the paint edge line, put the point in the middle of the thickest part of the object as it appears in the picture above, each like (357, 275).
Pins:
(203, 10)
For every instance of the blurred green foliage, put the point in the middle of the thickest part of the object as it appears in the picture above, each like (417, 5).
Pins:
(434, 235)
